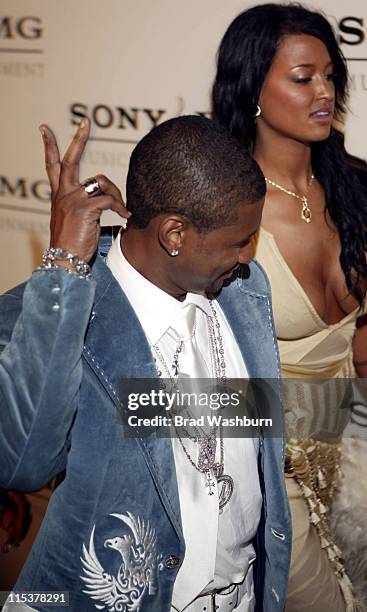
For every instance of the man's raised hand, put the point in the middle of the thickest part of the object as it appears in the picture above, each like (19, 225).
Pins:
(75, 215)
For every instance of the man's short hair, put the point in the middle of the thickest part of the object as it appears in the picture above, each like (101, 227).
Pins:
(192, 166)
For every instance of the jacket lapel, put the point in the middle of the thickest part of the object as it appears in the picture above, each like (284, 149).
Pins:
(250, 316)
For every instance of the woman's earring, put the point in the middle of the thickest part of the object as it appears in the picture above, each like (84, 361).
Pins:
(174, 253)
(258, 111)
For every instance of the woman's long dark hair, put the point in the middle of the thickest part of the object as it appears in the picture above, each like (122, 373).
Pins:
(244, 58)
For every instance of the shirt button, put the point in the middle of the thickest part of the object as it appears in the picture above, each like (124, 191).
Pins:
(171, 562)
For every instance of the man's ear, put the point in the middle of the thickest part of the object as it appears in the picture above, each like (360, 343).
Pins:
(172, 231)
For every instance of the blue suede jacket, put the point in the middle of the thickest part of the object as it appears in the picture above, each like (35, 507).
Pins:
(112, 533)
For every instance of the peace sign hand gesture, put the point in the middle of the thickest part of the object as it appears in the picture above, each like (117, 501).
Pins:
(75, 214)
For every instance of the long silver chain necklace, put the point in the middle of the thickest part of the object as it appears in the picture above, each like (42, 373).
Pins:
(306, 214)
(207, 444)
(208, 467)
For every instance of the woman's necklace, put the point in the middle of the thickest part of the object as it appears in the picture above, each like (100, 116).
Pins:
(306, 214)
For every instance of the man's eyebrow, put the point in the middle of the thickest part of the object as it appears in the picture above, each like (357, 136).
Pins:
(246, 238)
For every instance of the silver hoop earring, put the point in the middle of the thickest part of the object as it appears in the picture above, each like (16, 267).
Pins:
(174, 252)
(258, 111)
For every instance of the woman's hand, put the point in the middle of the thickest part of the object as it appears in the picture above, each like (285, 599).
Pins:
(75, 214)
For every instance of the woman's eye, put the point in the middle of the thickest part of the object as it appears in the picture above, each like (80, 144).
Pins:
(302, 80)
(331, 76)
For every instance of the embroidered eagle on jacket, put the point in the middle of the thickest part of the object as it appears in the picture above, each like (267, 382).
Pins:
(136, 574)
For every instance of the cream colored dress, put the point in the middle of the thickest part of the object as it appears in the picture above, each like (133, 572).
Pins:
(320, 354)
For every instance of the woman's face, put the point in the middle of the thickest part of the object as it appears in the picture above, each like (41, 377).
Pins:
(298, 96)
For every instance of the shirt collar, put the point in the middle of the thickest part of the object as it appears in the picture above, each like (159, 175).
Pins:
(156, 310)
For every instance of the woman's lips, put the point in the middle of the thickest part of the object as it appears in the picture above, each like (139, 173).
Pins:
(323, 117)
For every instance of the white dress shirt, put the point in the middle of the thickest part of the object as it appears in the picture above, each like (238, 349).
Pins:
(218, 548)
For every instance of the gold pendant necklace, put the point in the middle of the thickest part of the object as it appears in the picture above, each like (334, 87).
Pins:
(306, 214)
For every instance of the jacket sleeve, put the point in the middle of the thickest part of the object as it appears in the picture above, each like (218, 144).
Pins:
(42, 333)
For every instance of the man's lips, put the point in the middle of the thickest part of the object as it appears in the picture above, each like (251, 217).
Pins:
(230, 273)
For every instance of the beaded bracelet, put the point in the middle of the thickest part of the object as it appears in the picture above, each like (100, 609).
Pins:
(80, 266)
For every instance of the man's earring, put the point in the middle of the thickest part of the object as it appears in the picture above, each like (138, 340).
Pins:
(258, 111)
(174, 252)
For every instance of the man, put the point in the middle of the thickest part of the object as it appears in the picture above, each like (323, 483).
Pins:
(146, 523)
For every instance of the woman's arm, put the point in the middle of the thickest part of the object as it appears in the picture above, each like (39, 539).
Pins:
(360, 347)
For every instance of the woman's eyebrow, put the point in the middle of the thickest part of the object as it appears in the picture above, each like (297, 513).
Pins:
(330, 63)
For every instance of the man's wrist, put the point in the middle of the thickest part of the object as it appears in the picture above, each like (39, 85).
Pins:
(57, 256)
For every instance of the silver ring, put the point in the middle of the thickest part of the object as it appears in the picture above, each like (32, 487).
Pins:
(91, 186)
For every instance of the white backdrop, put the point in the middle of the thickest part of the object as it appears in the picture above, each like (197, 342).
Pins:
(126, 64)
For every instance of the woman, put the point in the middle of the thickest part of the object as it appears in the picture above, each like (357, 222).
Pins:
(281, 83)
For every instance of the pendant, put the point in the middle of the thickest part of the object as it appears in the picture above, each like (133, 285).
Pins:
(209, 482)
(225, 492)
(306, 211)
(206, 458)
(175, 368)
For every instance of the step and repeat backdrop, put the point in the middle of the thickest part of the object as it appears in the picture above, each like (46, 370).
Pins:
(127, 65)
